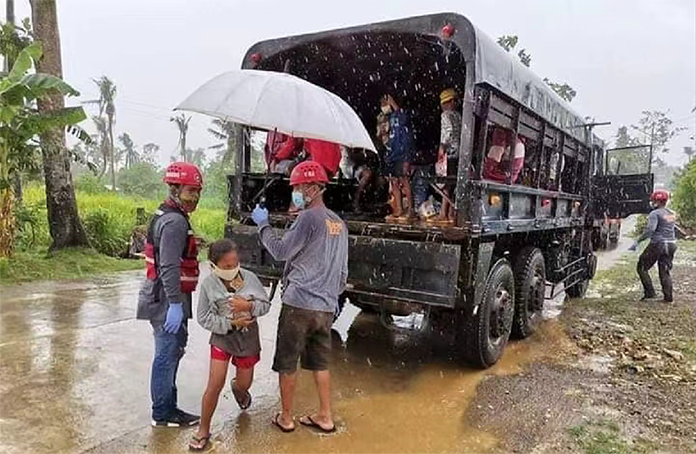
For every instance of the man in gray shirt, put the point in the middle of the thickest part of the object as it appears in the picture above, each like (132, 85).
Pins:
(315, 251)
(662, 247)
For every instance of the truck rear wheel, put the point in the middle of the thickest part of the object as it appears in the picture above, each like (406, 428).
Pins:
(530, 285)
(488, 328)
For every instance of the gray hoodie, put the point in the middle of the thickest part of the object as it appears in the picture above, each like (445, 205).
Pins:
(212, 313)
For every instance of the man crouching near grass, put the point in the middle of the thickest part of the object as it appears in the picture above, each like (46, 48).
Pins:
(315, 251)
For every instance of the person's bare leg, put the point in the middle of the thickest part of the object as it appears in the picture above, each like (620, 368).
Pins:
(242, 382)
(362, 185)
(323, 418)
(405, 184)
(287, 395)
(216, 381)
(444, 210)
(395, 190)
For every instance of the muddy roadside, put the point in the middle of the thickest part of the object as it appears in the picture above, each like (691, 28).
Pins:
(626, 384)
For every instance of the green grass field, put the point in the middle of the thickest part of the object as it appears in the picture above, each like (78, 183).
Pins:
(109, 220)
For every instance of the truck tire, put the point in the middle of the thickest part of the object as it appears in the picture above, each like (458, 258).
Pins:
(488, 328)
(530, 287)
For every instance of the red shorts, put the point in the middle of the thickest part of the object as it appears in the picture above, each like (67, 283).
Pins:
(242, 362)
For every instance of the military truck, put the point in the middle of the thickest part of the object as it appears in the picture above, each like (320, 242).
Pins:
(484, 278)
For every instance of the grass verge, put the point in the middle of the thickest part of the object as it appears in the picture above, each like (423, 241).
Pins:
(604, 437)
(65, 264)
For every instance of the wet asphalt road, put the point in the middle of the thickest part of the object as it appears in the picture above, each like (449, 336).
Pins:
(74, 377)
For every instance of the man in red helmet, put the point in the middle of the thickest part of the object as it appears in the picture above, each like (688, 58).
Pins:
(165, 296)
(315, 252)
(662, 247)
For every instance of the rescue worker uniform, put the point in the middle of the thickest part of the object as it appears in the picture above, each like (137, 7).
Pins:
(171, 277)
(661, 250)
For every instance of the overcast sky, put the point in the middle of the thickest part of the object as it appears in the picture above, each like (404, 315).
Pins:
(622, 56)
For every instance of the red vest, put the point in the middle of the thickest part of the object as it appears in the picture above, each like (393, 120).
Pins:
(188, 268)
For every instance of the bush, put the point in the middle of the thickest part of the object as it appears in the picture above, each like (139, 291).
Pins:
(89, 183)
(109, 219)
(684, 196)
(142, 179)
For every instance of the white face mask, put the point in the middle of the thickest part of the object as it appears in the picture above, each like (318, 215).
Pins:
(225, 275)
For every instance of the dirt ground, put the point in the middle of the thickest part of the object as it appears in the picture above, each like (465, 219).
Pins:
(626, 383)
(609, 375)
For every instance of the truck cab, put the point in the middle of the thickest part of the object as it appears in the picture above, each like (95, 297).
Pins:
(485, 277)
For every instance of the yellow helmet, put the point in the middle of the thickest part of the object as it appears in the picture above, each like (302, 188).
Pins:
(448, 95)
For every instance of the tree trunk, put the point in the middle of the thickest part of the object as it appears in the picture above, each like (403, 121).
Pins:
(17, 183)
(111, 146)
(63, 218)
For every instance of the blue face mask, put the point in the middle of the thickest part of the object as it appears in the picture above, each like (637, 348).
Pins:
(298, 199)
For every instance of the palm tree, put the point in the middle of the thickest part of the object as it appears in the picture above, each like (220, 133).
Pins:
(130, 152)
(182, 122)
(103, 140)
(63, 219)
(107, 95)
(225, 131)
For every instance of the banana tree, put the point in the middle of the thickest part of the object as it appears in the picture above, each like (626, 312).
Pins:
(20, 125)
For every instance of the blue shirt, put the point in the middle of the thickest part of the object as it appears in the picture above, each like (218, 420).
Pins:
(315, 251)
(400, 146)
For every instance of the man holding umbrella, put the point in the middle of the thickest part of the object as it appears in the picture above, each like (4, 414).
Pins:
(315, 251)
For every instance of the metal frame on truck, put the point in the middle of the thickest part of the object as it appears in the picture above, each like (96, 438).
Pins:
(486, 276)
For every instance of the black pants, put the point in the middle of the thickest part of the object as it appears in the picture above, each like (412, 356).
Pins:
(663, 254)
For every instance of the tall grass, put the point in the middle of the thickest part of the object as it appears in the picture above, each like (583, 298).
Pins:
(109, 219)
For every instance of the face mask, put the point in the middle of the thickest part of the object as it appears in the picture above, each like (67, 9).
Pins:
(386, 110)
(298, 199)
(226, 275)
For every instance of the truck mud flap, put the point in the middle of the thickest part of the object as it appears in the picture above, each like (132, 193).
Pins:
(378, 268)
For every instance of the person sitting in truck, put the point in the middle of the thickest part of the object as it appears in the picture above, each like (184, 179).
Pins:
(295, 150)
(359, 165)
(448, 152)
(497, 162)
(397, 160)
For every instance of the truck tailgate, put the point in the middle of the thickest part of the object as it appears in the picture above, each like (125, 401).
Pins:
(412, 271)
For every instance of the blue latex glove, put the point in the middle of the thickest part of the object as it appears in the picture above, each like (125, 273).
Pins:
(259, 215)
(634, 246)
(175, 315)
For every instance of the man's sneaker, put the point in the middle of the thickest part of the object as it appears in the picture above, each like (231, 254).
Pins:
(179, 419)
(668, 300)
(649, 298)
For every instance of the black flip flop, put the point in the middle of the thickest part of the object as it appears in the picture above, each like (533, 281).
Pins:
(198, 440)
(242, 405)
(314, 425)
(275, 422)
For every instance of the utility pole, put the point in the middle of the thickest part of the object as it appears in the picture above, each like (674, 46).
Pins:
(652, 139)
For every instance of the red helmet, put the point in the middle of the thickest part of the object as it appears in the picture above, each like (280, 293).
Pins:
(659, 196)
(308, 172)
(183, 173)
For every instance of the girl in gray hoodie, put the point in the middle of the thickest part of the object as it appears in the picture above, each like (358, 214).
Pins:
(229, 301)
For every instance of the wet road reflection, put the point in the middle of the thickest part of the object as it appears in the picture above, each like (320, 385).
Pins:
(75, 373)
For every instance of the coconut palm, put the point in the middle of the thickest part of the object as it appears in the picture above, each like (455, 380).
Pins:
(182, 121)
(130, 153)
(107, 96)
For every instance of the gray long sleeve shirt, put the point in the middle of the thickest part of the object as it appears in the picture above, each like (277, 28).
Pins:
(315, 251)
(660, 228)
(170, 234)
(213, 311)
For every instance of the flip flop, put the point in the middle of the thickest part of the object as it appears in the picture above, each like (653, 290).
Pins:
(275, 422)
(205, 440)
(309, 422)
(243, 405)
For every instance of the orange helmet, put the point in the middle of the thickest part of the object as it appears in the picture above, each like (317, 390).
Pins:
(659, 196)
(183, 173)
(308, 172)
